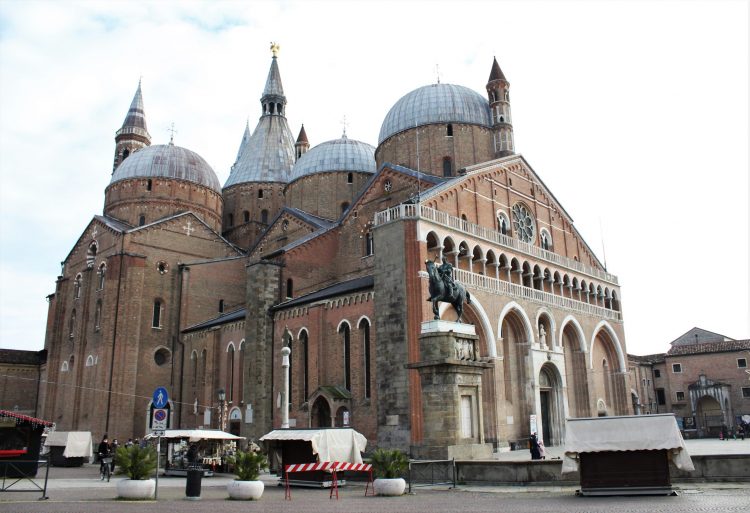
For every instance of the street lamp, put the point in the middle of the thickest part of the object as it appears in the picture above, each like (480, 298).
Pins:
(222, 409)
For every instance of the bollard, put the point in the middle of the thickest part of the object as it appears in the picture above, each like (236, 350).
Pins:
(193, 483)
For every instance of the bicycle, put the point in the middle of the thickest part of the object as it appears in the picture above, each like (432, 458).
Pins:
(106, 469)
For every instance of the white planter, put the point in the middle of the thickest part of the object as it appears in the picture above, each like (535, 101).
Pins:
(136, 489)
(389, 487)
(245, 490)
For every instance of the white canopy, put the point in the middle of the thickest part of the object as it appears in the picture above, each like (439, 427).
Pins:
(340, 444)
(78, 444)
(194, 435)
(626, 433)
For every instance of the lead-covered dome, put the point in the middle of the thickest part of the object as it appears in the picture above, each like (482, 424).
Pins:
(436, 103)
(167, 161)
(337, 155)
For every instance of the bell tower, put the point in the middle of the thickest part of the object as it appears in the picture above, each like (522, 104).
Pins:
(133, 135)
(499, 97)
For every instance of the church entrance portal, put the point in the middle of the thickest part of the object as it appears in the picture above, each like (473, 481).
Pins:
(550, 406)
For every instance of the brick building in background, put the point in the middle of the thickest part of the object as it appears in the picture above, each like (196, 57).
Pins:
(704, 379)
(185, 284)
(20, 380)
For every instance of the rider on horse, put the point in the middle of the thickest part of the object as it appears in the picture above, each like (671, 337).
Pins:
(446, 273)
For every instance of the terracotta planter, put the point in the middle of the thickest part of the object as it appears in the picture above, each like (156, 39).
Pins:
(132, 489)
(390, 487)
(245, 490)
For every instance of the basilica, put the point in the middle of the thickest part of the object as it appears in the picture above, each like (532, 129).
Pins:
(192, 285)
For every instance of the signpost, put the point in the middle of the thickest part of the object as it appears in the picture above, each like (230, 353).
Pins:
(159, 422)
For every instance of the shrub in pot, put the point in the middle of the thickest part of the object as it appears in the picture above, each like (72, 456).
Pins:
(247, 467)
(388, 465)
(138, 464)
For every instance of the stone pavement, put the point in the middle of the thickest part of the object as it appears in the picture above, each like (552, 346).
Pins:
(80, 490)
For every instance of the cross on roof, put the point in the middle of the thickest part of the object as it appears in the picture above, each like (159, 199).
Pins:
(188, 228)
(173, 131)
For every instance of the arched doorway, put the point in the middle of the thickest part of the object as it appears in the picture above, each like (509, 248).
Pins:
(708, 416)
(235, 421)
(550, 405)
(321, 413)
(516, 339)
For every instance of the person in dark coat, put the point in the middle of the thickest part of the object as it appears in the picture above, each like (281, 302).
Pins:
(536, 454)
(104, 451)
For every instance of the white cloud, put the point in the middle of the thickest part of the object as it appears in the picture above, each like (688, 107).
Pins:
(633, 113)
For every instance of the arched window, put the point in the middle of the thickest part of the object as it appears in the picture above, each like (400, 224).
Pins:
(156, 318)
(72, 324)
(221, 306)
(98, 315)
(204, 366)
(194, 364)
(369, 244)
(345, 332)
(287, 342)
(102, 274)
(241, 375)
(289, 288)
(149, 184)
(449, 130)
(260, 193)
(503, 223)
(91, 255)
(246, 216)
(264, 216)
(141, 220)
(230, 373)
(125, 153)
(230, 220)
(350, 178)
(364, 328)
(77, 286)
(447, 166)
(546, 239)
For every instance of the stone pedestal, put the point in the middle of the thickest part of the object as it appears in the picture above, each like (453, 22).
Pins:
(451, 378)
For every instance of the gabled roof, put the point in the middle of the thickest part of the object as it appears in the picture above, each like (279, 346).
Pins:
(318, 224)
(362, 283)
(697, 336)
(224, 318)
(484, 167)
(719, 346)
(188, 213)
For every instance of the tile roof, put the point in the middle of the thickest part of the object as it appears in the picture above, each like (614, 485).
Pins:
(362, 283)
(721, 346)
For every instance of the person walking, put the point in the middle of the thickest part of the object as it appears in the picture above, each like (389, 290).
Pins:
(115, 445)
(104, 451)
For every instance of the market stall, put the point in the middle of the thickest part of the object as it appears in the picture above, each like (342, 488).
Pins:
(20, 441)
(291, 446)
(205, 448)
(624, 455)
(69, 448)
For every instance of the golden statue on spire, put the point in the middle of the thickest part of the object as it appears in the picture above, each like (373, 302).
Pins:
(275, 49)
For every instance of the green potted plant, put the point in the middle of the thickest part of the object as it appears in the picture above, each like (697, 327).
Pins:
(138, 464)
(388, 466)
(247, 467)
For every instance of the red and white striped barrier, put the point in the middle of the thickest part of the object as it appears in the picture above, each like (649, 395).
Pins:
(333, 467)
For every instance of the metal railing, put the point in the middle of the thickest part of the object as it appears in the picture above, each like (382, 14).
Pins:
(414, 211)
(13, 473)
(432, 472)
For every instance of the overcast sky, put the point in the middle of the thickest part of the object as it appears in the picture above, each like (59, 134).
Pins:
(635, 115)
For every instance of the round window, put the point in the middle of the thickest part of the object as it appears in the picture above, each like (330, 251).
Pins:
(523, 223)
(162, 267)
(161, 356)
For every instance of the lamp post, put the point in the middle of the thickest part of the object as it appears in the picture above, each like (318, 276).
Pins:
(222, 409)
(285, 392)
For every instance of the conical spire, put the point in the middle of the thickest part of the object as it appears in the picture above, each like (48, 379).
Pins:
(133, 135)
(136, 116)
(302, 137)
(496, 73)
(273, 99)
(245, 138)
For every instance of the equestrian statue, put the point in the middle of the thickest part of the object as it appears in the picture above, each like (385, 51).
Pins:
(444, 288)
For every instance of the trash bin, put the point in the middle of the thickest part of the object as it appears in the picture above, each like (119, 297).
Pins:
(193, 483)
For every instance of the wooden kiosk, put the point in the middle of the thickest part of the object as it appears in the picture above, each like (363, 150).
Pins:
(626, 455)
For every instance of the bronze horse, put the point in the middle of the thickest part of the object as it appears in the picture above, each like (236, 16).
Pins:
(438, 292)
